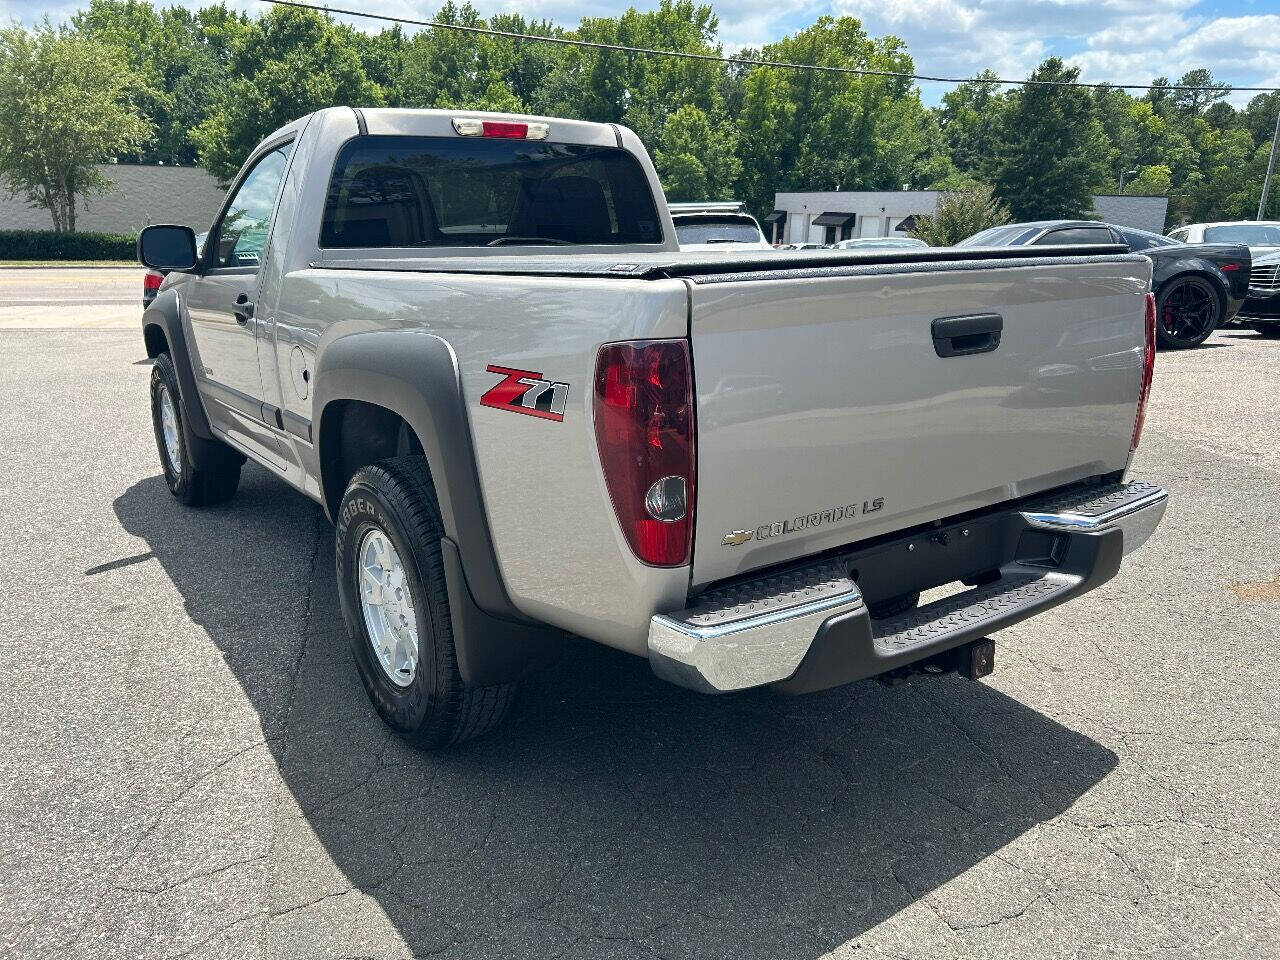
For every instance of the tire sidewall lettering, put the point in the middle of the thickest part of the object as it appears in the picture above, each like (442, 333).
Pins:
(360, 511)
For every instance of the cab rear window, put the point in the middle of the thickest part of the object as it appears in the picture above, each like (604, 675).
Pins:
(465, 192)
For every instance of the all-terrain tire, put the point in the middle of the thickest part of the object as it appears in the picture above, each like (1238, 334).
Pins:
(194, 487)
(430, 706)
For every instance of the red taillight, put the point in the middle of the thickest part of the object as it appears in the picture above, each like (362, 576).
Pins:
(644, 432)
(1148, 368)
(151, 281)
(1228, 267)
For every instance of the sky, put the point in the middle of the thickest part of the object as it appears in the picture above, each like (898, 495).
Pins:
(1118, 41)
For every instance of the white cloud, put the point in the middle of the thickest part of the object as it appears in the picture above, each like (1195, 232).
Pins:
(1118, 41)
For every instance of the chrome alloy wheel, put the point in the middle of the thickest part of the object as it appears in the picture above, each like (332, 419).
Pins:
(170, 431)
(387, 604)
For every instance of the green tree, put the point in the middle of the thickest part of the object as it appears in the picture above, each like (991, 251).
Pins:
(959, 214)
(971, 116)
(1052, 154)
(1229, 181)
(528, 65)
(1137, 137)
(1152, 181)
(182, 58)
(638, 90)
(809, 130)
(69, 104)
(1259, 117)
(696, 161)
(454, 69)
(286, 64)
(1196, 102)
(383, 56)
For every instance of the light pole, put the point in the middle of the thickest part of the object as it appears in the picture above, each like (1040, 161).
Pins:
(1126, 173)
(1271, 162)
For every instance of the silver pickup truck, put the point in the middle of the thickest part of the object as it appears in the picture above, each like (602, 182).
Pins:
(473, 339)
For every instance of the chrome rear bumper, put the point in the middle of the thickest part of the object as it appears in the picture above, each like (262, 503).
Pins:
(809, 627)
(1136, 509)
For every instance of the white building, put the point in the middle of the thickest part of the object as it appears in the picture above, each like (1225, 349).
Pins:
(138, 195)
(825, 217)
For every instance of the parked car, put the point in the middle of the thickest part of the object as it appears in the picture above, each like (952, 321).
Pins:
(1260, 236)
(806, 246)
(1261, 309)
(151, 281)
(473, 339)
(872, 243)
(1198, 287)
(717, 226)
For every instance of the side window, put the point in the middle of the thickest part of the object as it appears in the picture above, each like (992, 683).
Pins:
(1074, 235)
(1138, 241)
(242, 234)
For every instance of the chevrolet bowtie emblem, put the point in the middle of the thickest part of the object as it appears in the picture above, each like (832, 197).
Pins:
(737, 538)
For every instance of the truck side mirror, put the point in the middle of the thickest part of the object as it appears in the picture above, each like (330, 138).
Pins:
(166, 246)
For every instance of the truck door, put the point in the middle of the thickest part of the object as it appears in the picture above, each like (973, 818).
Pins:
(221, 304)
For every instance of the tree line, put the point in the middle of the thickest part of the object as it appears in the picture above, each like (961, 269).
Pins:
(130, 81)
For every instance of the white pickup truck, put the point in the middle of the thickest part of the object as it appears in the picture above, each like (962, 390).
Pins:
(473, 339)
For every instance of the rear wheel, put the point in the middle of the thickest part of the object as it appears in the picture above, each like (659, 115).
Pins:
(396, 604)
(1187, 311)
(193, 486)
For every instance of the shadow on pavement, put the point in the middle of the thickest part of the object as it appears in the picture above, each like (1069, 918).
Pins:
(613, 815)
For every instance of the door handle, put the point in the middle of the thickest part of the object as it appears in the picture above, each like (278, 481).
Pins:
(961, 336)
(244, 309)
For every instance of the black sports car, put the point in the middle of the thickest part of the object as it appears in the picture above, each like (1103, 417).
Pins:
(1262, 309)
(1198, 286)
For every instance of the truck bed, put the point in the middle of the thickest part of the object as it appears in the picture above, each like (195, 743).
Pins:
(825, 414)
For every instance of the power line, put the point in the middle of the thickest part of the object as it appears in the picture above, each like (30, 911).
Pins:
(751, 62)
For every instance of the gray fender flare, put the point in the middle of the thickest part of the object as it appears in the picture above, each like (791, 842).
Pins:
(205, 450)
(415, 375)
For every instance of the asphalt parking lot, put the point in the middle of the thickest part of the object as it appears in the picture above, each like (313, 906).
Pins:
(189, 766)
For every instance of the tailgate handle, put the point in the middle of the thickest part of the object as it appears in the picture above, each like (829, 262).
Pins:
(960, 336)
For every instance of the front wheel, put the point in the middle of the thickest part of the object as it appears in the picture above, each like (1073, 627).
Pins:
(396, 604)
(192, 485)
(1187, 311)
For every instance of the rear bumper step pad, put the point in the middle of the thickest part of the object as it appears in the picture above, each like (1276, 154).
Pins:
(977, 609)
(809, 628)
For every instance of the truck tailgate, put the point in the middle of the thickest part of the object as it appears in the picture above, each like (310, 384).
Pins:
(828, 412)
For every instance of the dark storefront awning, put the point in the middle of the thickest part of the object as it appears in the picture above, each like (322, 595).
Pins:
(776, 217)
(836, 219)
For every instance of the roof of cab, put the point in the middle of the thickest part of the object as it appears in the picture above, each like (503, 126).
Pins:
(398, 121)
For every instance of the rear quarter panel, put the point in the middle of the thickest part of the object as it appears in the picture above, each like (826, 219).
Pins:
(559, 548)
(1206, 260)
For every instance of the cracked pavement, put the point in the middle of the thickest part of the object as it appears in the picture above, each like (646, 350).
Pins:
(189, 767)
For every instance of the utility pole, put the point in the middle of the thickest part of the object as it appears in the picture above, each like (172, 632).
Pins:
(1271, 162)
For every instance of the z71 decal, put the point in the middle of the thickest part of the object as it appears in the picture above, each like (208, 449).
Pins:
(523, 391)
